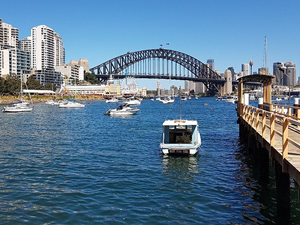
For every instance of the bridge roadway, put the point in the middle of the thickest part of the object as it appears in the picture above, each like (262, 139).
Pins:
(278, 131)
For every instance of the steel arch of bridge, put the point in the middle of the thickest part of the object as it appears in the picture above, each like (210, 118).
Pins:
(200, 71)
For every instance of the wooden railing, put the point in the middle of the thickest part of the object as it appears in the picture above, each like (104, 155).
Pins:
(273, 124)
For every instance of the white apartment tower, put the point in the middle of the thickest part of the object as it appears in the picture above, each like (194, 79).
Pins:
(47, 49)
(9, 35)
(25, 44)
(42, 47)
(59, 57)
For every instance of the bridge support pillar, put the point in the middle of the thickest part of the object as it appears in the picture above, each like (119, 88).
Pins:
(283, 193)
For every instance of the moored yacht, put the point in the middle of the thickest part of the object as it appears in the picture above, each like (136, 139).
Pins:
(20, 106)
(71, 103)
(122, 110)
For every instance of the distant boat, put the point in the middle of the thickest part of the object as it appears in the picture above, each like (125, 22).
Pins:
(71, 103)
(168, 100)
(19, 106)
(122, 110)
(231, 99)
(180, 136)
(132, 101)
(112, 100)
(183, 98)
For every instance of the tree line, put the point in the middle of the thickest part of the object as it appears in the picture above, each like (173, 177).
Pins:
(11, 85)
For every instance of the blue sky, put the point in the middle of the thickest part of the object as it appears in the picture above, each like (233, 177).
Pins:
(230, 32)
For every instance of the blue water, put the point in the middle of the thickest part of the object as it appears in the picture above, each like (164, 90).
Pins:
(77, 166)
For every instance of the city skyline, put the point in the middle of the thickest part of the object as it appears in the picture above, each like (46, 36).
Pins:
(229, 33)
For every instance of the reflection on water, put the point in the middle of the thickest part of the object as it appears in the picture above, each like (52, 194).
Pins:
(182, 167)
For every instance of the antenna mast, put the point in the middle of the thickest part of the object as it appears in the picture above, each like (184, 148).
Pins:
(265, 54)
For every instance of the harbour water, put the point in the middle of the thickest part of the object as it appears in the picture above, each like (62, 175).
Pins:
(77, 166)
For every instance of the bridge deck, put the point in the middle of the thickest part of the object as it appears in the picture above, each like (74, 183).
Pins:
(279, 134)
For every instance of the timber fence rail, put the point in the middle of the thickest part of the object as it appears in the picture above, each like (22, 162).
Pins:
(279, 127)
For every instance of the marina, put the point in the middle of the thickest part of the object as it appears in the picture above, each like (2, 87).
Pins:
(79, 166)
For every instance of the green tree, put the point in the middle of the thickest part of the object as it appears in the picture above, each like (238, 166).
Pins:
(2, 85)
(91, 77)
(33, 83)
(12, 85)
(50, 86)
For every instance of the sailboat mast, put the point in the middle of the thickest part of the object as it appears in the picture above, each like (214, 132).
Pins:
(180, 102)
(21, 91)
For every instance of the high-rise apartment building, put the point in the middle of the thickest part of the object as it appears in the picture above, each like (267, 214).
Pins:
(211, 64)
(42, 47)
(25, 44)
(47, 52)
(9, 35)
(12, 59)
(285, 73)
(245, 69)
(59, 56)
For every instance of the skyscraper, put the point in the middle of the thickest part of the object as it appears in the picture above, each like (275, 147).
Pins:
(42, 47)
(285, 73)
(25, 44)
(245, 69)
(211, 64)
(9, 35)
(47, 51)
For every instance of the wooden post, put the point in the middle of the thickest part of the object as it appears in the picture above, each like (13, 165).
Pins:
(283, 192)
(285, 140)
(272, 129)
(264, 127)
(267, 91)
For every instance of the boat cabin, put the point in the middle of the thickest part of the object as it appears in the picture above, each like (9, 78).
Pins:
(179, 132)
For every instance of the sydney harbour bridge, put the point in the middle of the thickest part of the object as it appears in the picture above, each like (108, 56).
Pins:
(159, 64)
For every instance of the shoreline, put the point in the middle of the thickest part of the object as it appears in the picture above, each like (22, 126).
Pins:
(5, 100)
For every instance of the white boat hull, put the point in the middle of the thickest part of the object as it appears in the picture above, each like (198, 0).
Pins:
(15, 110)
(176, 150)
(71, 105)
(21, 106)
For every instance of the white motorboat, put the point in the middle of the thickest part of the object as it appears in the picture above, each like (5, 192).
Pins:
(168, 100)
(122, 110)
(183, 98)
(20, 106)
(180, 136)
(231, 99)
(132, 101)
(112, 100)
(71, 103)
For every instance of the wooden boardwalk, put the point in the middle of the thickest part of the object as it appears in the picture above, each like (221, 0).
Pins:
(278, 131)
